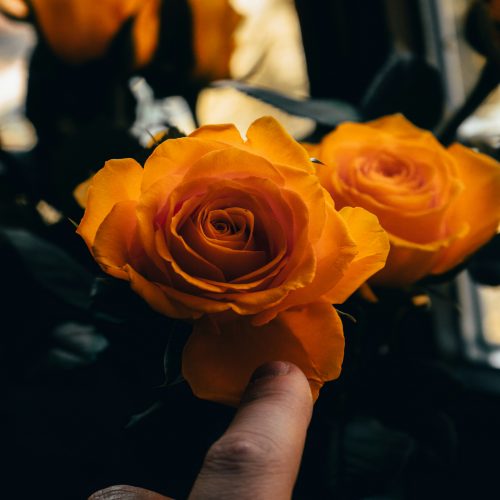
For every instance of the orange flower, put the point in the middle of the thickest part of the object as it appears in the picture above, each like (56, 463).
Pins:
(14, 8)
(240, 237)
(214, 24)
(81, 191)
(438, 205)
(494, 8)
(81, 30)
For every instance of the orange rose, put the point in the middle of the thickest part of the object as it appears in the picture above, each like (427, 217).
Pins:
(494, 9)
(81, 30)
(81, 191)
(438, 205)
(240, 237)
(14, 8)
(214, 25)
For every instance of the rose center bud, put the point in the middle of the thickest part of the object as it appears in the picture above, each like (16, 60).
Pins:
(387, 166)
(230, 223)
(390, 169)
(227, 237)
(223, 227)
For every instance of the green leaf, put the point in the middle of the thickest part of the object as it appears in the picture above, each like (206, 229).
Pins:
(51, 267)
(138, 417)
(172, 358)
(323, 111)
(76, 344)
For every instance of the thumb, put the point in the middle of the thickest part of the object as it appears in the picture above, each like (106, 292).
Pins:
(259, 455)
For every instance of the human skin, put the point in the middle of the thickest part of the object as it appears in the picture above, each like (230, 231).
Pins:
(259, 454)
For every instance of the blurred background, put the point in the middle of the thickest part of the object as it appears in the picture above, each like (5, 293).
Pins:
(269, 50)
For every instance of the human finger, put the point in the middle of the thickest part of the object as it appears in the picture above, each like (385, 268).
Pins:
(259, 454)
(126, 492)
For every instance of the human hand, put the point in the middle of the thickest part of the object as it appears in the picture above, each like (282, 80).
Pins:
(259, 454)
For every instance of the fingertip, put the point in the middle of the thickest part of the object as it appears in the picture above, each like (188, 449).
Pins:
(271, 369)
(281, 381)
(265, 440)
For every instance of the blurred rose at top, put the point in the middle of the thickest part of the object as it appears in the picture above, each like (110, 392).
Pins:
(266, 50)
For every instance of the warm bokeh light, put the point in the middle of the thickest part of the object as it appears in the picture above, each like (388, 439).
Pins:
(268, 53)
(16, 8)
(16, 42)
(489, 299)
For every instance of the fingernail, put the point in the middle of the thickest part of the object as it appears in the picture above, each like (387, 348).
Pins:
(272, 369)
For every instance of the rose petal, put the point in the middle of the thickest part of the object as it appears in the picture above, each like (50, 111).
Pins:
(478, 205)
(81, 192)
(233, 263)
(345, 151)
(373, 244)
(398, 126)
(154, 295)
(114, 238)
(202, 304)
(87, 33)
(190, 271)
(118, 180)
(174, 157)
(146, 31)
(313, 196)
(282, 149)
(312, 149)
(213, 26)
(298, 273)
(253, 302)
(258, 196)
(219, 359)
(331, 262)
(241, 221)
(233, 163)
(408, 262)
(149, 207)
(225, 133)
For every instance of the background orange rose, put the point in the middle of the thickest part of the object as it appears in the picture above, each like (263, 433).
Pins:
(494, 8)
(438, 205)
(214, 25)
(80, 30)
(241, 237)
